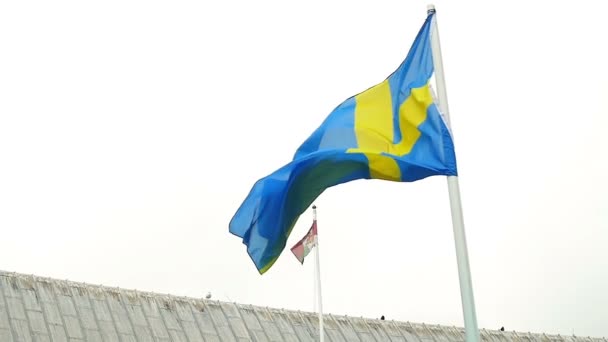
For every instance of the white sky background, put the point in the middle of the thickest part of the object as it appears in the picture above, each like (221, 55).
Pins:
(130, 132)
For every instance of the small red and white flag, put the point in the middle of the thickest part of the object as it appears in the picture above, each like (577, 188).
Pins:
(305, 245)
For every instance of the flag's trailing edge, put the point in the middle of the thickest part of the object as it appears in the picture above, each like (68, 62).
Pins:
(306, 244)
(391, 131)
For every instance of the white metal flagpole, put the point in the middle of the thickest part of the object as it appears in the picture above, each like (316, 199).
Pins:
(318, 276)
(314, 287)
(462, 258)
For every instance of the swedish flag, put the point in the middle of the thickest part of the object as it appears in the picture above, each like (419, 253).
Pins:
(392, 131)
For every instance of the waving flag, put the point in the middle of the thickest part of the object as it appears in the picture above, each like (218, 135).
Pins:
(392, 131)
(308, 242)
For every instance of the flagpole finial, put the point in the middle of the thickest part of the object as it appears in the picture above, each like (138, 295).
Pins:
(314, 206)
(430, 8)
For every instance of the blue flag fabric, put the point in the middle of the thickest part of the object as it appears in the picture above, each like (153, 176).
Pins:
(392, 131)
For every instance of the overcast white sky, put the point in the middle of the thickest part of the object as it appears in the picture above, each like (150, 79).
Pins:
(131, 131)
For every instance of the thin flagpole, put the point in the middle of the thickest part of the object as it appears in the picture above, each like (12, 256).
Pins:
(318, 276)
(314, 286)
(462, 258)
